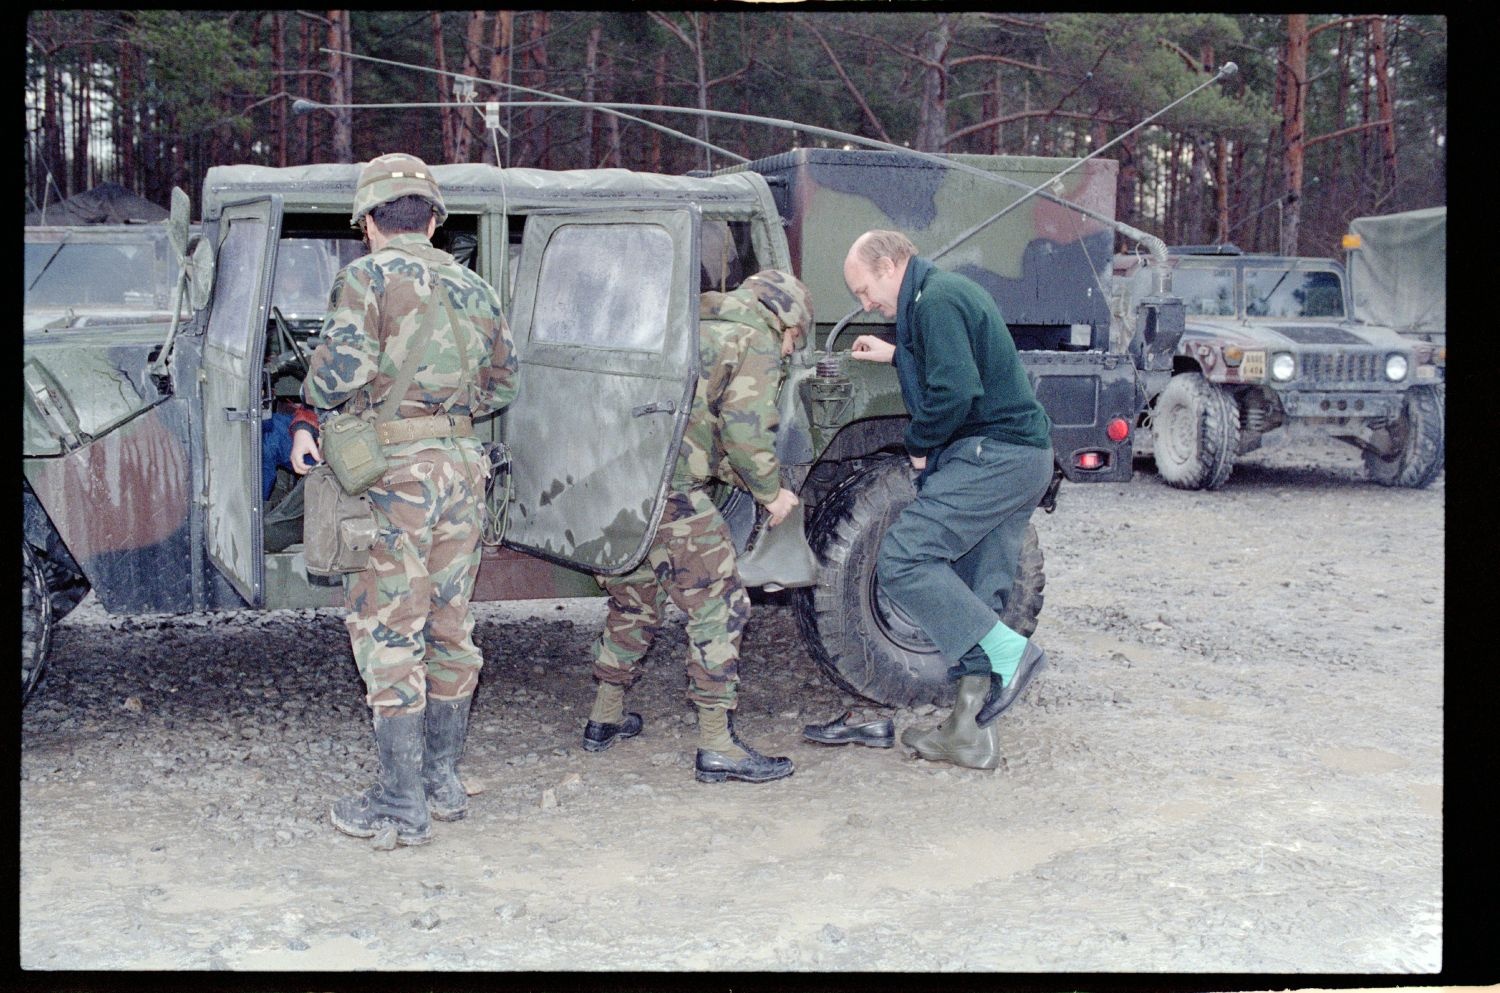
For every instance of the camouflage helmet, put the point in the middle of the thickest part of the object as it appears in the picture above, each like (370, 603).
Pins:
(785, 296)
(390, 177)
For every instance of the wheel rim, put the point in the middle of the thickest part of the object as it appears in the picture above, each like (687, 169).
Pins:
(36, 620)
(1180, 434)
(895, 623)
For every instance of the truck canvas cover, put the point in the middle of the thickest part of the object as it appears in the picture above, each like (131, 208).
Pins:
(1399, 272)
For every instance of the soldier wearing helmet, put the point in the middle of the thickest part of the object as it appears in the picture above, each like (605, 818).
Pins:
(743, 334)
(409, 619)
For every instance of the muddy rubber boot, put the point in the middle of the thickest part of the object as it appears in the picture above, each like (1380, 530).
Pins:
(608, 720)
(722, 755)
(447, 727)
(959, 739)
(397, 801)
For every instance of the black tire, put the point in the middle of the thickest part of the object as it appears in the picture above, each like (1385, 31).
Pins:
(854, 634)
(1416, 440)
(36, 621)
(1195, 432)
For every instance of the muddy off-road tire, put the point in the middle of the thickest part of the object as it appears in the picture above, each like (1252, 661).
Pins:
(1417, 442)
(36, 620)
(854, 634)
(1195, 430)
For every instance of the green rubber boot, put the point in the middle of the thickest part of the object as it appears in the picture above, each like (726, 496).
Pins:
(447, 727)
(959, 739)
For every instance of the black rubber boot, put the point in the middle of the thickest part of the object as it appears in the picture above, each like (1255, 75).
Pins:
(397, 800)
(959, 739)
(447, 727)
(722, 755)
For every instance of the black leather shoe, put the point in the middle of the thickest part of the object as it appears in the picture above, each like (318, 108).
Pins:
(1033, 660)
(597, 737)
(876, 734)
(715, 767)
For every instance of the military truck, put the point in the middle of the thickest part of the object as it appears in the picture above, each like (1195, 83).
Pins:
(141, 454)
(1270, 354)
(1398, 273)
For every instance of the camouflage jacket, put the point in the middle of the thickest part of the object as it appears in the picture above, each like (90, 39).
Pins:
(375, 309)
(731, 430)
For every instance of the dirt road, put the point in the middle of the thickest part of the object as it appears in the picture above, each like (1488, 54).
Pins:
(1232, 764)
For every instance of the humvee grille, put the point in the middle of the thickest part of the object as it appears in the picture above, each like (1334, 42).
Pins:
(1319, 335)
(1343, 367)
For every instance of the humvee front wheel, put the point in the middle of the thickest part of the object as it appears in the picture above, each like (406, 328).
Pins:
(36, 620)
(1414, 455)
(1195, 430)
(855, 634)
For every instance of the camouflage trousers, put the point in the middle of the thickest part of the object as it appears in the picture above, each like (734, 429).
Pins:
(409, 620)
(691, 563)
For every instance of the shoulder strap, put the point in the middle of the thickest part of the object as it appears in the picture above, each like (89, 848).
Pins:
(392, 401)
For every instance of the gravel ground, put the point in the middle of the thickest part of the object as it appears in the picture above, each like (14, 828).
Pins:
(1233, 764)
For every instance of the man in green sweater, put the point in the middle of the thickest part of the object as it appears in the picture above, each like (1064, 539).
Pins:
(983, 449)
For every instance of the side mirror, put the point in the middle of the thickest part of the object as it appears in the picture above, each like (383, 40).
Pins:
(179, 222)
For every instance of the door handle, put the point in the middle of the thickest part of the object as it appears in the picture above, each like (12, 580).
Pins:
(659, 407)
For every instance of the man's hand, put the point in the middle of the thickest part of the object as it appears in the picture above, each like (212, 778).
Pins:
(303, 443)
(873, 349)
(781, 506)
(918, 462)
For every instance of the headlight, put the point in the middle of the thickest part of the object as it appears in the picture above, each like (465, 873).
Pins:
(1282, 367)
(1395, 368)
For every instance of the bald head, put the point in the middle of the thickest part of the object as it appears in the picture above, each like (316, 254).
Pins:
(875, 266)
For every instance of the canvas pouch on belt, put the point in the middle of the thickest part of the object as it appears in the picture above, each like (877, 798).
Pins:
(339, 528)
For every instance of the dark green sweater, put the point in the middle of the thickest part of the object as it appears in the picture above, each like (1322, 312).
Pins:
(960, 374)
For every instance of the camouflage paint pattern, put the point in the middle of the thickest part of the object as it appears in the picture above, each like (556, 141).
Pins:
(1043, 263)
(409, 619)
(731, 430)
(691, 563)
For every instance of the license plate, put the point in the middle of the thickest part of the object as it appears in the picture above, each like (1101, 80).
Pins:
(1253, 366)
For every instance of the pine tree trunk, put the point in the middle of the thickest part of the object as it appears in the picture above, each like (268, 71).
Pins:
(932, 112)
(590, 80)
(1294, 117)
(1385, 99)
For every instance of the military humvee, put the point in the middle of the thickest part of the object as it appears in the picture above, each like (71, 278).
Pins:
(141, 447)
(1270, 354)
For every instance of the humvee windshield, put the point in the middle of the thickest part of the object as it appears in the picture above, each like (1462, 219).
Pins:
(99, 275)
(1280, 291)
(1205, 292)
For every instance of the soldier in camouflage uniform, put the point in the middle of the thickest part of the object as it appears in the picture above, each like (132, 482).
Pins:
(742, 337)
(409, 618)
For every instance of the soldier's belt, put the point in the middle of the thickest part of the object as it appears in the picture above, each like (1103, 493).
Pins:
(416, 428)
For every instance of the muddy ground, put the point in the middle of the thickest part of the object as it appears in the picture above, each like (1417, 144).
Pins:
(1234, 763)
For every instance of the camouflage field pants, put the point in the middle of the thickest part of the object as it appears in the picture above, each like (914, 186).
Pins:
(409, 620)
(691, 562)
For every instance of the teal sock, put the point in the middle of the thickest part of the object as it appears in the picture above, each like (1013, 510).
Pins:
(1003, 647)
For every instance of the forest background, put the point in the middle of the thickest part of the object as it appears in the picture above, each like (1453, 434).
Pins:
(1329, 117)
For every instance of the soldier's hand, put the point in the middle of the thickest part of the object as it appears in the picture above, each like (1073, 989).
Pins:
(303, 443)
(873, 349)
(918, 462)
(781, 506)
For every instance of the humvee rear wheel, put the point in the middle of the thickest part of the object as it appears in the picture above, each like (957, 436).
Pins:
(1195, 429)
(855, 634)
(36, 620)
(1414, 455)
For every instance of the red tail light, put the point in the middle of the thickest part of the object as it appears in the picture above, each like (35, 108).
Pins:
(1089, 460)
(1117, 430)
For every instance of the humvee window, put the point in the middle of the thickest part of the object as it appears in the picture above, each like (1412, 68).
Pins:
(1205, 292)
(605, 286)
(1284, 292)
(234, 291)
(305, 268)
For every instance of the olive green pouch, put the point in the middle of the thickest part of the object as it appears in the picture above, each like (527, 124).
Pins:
(352, 449)
(340, 528)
